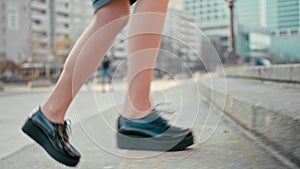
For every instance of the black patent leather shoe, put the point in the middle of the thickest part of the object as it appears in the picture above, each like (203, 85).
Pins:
(152, 132)
(52, 137)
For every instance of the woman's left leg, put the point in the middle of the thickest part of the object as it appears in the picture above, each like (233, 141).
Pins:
(147, 26)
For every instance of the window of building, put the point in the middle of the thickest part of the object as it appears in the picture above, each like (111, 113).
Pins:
(3, 6)
(12, 16)
(3, 54)
(37, 22)
(294, 31)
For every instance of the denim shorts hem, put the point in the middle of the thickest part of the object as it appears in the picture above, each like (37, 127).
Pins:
(98, 4)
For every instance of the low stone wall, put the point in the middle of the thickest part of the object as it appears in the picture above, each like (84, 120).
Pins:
(284, 73)
(278, 129)
(39, 83)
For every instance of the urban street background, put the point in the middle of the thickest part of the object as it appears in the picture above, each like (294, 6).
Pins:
(230, 68)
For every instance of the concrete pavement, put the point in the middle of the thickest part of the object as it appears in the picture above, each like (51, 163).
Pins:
(17, 102)
(218, 143)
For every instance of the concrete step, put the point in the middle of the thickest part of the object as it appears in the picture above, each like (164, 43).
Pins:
(284, 73)
(270, 110)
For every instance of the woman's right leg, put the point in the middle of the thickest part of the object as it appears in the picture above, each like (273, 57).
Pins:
(85, 57)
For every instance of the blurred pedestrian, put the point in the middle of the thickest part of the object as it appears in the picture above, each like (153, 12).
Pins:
(263, 62)
(106, 74)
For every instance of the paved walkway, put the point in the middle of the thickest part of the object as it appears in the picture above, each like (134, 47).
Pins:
(218, 144)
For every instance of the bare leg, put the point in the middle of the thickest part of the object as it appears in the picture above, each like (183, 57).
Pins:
(143, 51)
(85, 57)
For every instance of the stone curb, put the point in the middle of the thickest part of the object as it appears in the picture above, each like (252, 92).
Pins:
(284, 73)
(273, 127)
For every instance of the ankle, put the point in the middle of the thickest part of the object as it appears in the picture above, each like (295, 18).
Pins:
(51, 116)
(136, 112)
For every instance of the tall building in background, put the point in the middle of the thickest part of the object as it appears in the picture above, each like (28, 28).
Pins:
(283, 19)
(181, 44)
(39, 24)
(14, 29)
(264, 28)
(30, 28)
(251, 13)
(81, 14)
(275, 15)
(211, 13)
(50, 21)
(253, 36)
(283, 15)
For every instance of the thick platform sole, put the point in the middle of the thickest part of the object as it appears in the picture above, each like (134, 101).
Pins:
(38, 136)
(134, 142)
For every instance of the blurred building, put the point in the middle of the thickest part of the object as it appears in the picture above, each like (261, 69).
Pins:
(277, 16)
(212, 14)
(283, 19)
(181, 44)
(263, 27)
(176, 4)
(14, 30)
(39, 35)
(282, 16)
(272, 32)
(81, 14)
(50, 20)
(29, 28)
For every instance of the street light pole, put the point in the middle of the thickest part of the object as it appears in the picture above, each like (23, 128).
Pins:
(231, 26)
(232, 56)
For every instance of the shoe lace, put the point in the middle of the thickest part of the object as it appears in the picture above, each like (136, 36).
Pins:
(65, 130)
(158, 109)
